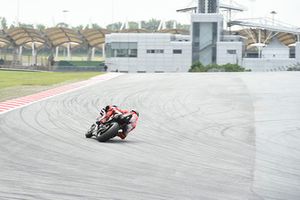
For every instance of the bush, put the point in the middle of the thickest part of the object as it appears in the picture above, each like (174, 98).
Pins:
(80, 63)
(199, 67)
(64, 63)
(297, 68)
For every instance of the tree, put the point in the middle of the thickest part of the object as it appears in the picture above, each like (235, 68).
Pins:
(96, 26)
(115, 26)
(170, 24)
(133, 25)
(23, 25)
(3, 23)
(151, 25)
(183, 26)
(79, 27)
(41, 26)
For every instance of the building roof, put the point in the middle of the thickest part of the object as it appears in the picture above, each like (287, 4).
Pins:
(4, 41)
(266, 24)
(58, 36)
(252, 36)
(61, 36)
(22, 36)
(94, 37)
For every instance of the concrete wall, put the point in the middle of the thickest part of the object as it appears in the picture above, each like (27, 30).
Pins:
(224, 57)
(276, 50)
(298, 52)
(213, 17)
(263, 64)
(282, 53)
(145, 62)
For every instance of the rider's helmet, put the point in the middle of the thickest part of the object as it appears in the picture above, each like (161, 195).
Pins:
(109, 106)
(136, 112)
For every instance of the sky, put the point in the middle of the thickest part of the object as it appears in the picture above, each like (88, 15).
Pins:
(104, 12)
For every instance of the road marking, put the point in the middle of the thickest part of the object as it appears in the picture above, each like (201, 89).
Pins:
(9, 105)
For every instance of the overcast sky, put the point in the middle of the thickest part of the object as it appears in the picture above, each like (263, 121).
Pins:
(104, 12)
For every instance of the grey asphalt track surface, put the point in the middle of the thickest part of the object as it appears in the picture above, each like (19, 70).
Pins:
(200, 136)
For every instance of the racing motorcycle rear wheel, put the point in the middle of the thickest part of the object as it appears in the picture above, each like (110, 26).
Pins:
(110, 132)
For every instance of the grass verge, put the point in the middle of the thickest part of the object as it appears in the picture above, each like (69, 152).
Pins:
(15, 84)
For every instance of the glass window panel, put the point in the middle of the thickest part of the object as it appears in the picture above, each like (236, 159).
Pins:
(132, 45)
(115, 45)
(133, 53)
(123, 45)
(177, 51)
(231, 51)
(122, 52)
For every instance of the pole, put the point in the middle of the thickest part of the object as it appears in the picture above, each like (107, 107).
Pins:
(56, 52)
(273, 13)
(259, 41)
(103, 51)
(33, 54)
(20, 53)
(69, 51)
(93, 53)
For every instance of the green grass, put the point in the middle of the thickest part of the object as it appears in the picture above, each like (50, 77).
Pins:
(15, 79)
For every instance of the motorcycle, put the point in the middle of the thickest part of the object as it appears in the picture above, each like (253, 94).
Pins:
(108, 130)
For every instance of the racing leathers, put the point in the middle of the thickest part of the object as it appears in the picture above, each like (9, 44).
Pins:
(110, 111)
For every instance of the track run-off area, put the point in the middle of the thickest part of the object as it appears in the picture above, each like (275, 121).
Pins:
(200, 136)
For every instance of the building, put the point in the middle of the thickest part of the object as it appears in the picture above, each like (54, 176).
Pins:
(148, 52)
(261, 44)
(207, 24)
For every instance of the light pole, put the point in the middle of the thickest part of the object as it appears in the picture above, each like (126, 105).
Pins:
(64, 15)
(273, 13)
(18, 14)
(66, 26)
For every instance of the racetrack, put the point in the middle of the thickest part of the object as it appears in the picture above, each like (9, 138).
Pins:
(200, 136)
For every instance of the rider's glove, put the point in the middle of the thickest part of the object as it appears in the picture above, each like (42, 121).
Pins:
(102, 112)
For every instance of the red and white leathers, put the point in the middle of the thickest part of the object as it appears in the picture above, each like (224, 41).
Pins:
(112, 111)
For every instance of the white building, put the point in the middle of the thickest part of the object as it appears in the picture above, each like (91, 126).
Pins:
(206, 27)
(267, 46)
(298, 52)
(148, 52)
(230, 50)
(275, 49)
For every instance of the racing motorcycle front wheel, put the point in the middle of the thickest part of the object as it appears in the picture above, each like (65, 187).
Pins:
(90, 132)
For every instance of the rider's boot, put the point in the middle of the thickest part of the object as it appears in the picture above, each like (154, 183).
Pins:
(121, 134)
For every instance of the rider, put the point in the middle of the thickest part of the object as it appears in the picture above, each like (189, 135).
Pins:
(111, 110)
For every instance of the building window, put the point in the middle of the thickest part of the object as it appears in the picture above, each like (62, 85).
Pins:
(133, 52)
(121, 49)
(231, 51)
(155, 51)
(150, 51)
(122, 53)
(177, 51)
